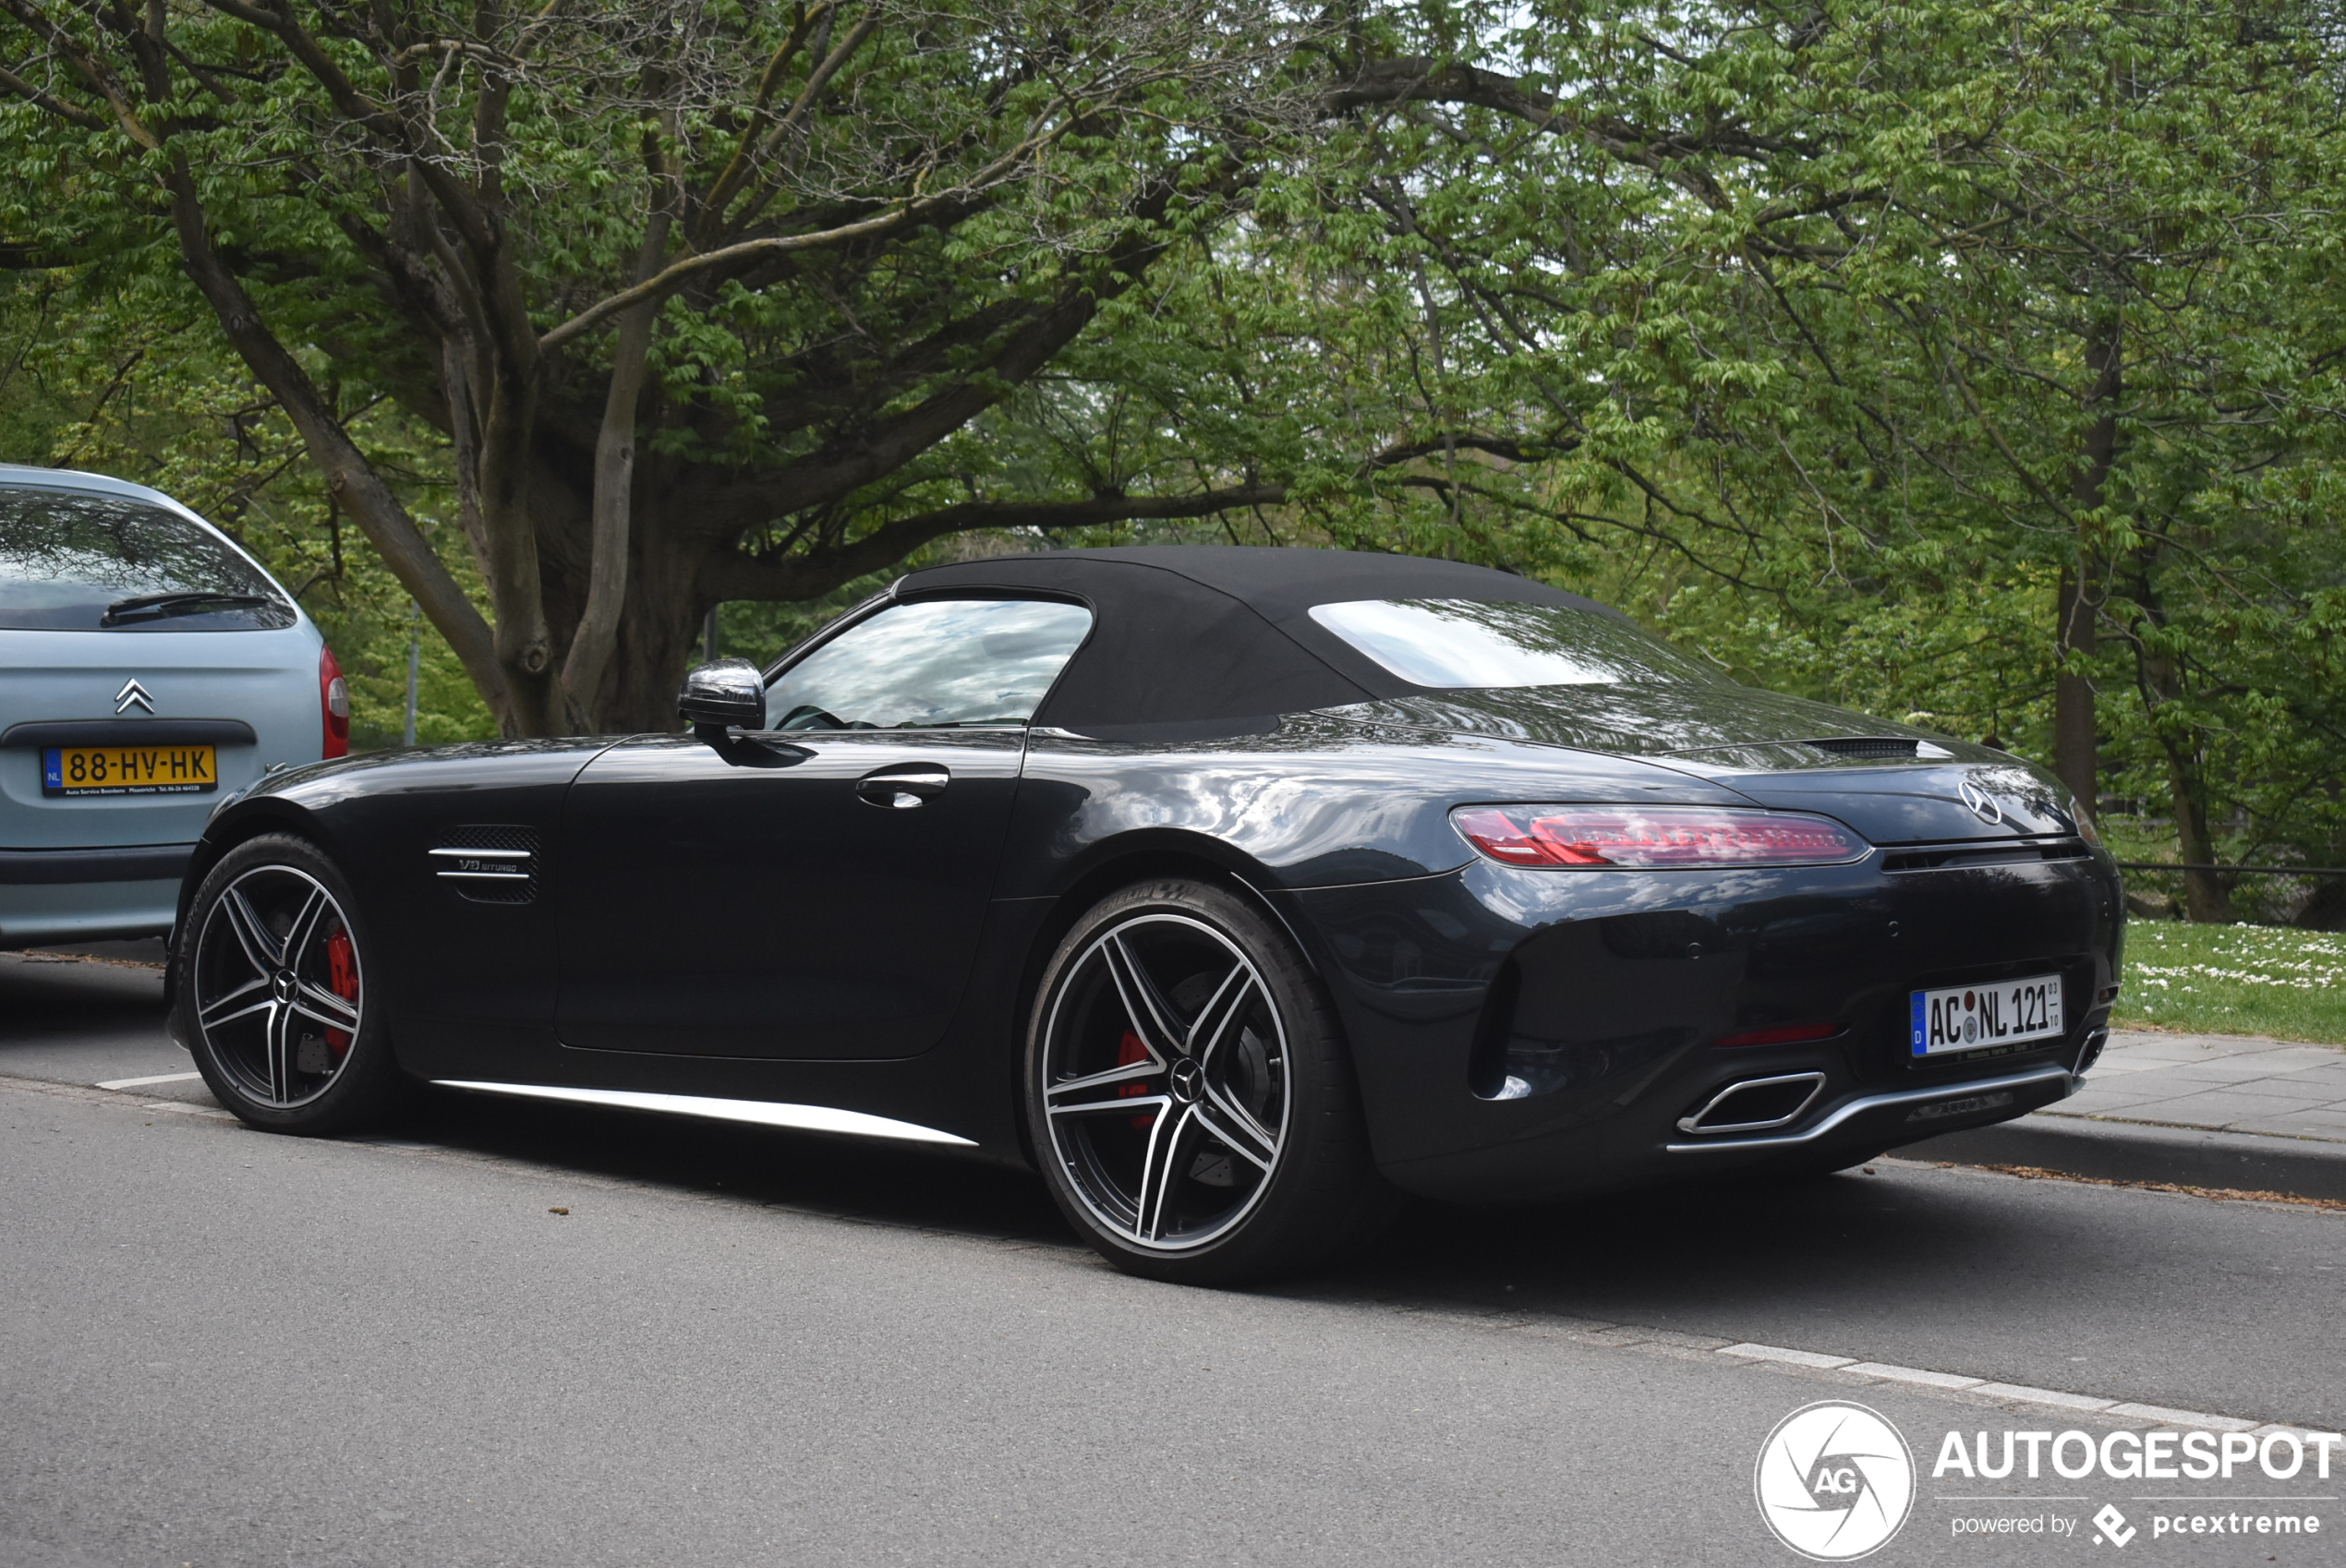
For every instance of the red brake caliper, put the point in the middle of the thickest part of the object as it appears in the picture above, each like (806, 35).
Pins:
(342, 977)
(1129, 1052)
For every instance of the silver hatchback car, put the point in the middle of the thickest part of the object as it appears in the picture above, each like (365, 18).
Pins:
(148, 669)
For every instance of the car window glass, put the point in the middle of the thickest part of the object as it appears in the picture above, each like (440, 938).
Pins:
(75, 561)
(1462, 643)
(935, 662)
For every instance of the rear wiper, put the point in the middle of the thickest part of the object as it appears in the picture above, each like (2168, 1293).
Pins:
(156, 606)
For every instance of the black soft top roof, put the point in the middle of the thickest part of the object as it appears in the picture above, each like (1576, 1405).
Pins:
(1211, 634)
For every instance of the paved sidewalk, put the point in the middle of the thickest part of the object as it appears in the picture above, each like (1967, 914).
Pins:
(2224, 1083)
(2228, 1111)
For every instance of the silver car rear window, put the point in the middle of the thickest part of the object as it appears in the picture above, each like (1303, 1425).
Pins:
(76, 562)
(1464, 643)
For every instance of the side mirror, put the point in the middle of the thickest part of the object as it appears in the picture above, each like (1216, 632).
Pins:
(729, 694)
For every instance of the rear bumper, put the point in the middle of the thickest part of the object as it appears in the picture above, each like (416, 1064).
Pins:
(1522, 1036)
(89, 895)
(1641, 1144)
(136, 862)
(1874, 1122)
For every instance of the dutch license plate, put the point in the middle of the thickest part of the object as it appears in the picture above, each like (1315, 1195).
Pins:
(1969, 1017)
(129, 770)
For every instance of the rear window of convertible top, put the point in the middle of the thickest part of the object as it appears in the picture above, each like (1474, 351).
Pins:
(1465, 643)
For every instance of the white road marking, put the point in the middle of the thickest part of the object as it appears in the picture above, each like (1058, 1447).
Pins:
(181, 1107)
(2014, 1394)
(159, 1078)
(2165, 1416)
(1778, 1352)
(1890, 1374)
(2059, 1398)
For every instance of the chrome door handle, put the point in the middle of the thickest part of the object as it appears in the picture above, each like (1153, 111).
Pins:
(902, 788)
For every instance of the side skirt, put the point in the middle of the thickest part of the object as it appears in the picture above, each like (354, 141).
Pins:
(762, 1113)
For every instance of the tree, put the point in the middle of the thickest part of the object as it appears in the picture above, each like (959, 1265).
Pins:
(702, 295)
(1859, 310)
(1975, 362)
(135, 381)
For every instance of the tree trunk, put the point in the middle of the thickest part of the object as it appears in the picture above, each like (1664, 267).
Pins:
(614, 496)
(2206, 900)
(658, 636)
(350, 479)
(2077, 739)
(516, 586)
(2077, 745)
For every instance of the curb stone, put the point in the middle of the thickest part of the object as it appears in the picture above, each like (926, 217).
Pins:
(2120, 1151)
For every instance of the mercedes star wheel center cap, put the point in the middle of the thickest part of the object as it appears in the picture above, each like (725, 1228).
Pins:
(281, 985)
(1188, 1082)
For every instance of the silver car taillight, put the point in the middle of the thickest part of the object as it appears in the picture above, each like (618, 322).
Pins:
(334, 703)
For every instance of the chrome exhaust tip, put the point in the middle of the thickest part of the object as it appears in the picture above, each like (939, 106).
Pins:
(1755, 1104)
(2089, 1052)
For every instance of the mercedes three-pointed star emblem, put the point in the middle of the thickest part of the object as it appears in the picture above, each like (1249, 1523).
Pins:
(133, 693)
(1983, 805)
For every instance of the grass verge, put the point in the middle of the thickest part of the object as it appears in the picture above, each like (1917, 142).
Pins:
(2235, 980)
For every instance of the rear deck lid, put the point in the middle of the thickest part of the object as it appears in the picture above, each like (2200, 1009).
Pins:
(1894, 783)
(1921, 802)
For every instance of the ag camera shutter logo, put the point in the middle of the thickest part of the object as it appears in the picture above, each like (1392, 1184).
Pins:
(1835, 1481)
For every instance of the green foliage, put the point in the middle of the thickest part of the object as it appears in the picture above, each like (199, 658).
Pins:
(1838, 342)
(1835, 341)
(763, 633)
(137, 386)
(858, 230)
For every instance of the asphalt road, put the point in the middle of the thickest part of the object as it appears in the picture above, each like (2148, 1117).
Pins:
(738, 1346)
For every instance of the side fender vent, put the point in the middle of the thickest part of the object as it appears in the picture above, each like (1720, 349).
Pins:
(488, 864)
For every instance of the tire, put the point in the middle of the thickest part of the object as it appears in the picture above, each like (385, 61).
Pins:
(1189, 1094)
(276, 997)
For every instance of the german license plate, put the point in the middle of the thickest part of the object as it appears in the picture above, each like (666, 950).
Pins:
(1970, 1017)
(129, 770)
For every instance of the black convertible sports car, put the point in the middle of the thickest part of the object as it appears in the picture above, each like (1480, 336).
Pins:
(1223, 886)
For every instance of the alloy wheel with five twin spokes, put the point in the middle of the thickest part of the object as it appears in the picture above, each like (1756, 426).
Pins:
(278, 989)
(1165, 1084)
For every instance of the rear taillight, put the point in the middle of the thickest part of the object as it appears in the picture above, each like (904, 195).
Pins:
(1655, 837)
(333, 704)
